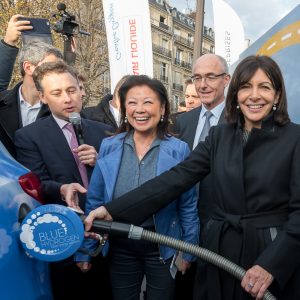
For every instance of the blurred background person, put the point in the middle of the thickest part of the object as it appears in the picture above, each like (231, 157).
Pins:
(141, 150)
(191, 97)
(108, 110)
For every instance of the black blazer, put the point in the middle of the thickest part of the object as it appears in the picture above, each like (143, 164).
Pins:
(43, 148)
(256, 186)
(101, 112)
(10, 116)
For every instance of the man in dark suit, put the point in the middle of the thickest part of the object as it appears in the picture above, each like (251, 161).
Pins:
(47, 148)
(21, 105)
(210, 77)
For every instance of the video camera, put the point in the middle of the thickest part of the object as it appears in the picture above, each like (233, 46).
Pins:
(66, 24)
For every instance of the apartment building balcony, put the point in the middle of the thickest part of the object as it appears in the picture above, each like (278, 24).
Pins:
(182, 63)
(161, 50)
(183, 40)
(164, 26)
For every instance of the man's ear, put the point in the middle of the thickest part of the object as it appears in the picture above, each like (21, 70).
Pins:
(227, 79)
(28, 67)
(42, 98)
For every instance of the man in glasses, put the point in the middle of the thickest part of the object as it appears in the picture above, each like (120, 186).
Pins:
(210, 77)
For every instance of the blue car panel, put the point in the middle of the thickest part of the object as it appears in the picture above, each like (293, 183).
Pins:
(21, 277)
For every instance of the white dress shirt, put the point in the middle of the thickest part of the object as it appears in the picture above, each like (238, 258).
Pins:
(28, 112)
(214, 119)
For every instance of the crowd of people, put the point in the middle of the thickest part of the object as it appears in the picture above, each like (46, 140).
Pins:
(227, 177)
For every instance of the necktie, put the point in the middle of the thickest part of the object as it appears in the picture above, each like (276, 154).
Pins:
(208, 114)
(80, 165)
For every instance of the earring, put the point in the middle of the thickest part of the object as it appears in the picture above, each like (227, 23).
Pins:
(162, 118)
(237, 107)
(125, 119)
(274, 107)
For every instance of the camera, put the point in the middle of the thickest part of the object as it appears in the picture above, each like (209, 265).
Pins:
(66, 24)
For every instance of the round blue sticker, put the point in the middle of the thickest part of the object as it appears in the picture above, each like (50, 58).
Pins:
(52, 232)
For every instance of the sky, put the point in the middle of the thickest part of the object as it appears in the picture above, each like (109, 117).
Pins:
(257, 16)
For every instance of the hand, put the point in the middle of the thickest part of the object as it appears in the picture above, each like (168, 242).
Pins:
(98, 213)
(87, 154)
(185, 265)
(84, 266)
(69, 192)
(15, 28)
(256, 281)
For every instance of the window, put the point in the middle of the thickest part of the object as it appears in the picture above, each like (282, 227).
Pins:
(162, 19)
(164, 43)
(178, 56)
(163, 71)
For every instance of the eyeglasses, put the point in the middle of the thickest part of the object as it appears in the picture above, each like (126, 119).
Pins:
(207, 77)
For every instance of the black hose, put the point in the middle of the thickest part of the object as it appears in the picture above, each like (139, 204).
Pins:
(138, 233)
(202, 253)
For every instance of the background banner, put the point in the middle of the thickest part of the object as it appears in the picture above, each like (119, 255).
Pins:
(128, 31)
(229, 32)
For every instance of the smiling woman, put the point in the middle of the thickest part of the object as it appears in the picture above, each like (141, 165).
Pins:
(142, 149)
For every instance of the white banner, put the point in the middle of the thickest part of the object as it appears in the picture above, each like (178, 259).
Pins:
(229, 32)
(128, 31)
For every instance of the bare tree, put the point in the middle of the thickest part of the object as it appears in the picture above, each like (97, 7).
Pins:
(91, 51)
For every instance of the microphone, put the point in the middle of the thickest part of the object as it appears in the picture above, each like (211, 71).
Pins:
(75, 120)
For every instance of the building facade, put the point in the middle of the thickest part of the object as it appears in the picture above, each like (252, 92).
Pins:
(173, 44)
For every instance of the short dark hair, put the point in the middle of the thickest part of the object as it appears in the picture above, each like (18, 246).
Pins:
(158, 88)
(243, 73)
(58, 67)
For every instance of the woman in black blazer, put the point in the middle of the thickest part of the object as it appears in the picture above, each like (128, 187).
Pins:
(254, 161)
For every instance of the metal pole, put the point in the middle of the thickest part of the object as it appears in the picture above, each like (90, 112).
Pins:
(198, 39)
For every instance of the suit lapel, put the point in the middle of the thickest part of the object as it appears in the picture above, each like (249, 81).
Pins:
(191, 126)
(222, 117)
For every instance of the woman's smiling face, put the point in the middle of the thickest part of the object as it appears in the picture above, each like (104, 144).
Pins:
(256, 99)
(143, 109)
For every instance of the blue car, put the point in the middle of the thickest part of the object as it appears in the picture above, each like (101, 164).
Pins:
(21, 277)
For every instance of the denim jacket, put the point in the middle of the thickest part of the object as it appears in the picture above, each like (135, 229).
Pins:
(178, 220)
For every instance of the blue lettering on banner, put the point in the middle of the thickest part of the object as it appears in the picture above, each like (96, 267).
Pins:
(114, 27)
